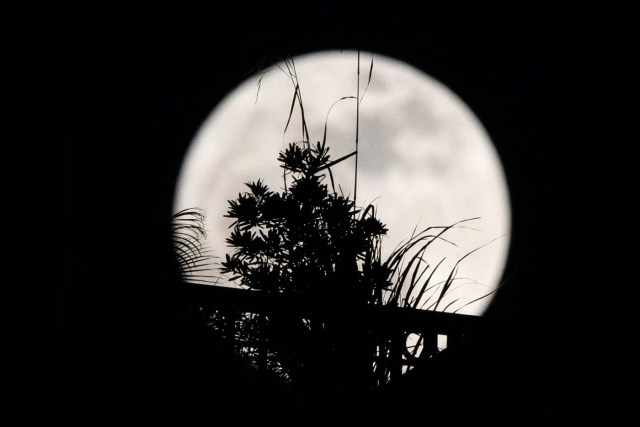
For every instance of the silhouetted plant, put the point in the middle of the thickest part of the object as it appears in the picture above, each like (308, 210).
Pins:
(301, 239)
(312, 242)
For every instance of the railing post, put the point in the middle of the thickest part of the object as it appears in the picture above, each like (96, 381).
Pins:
(230, 328)
(454, 340)
(429, 344)
(262, 344)
(395, 357)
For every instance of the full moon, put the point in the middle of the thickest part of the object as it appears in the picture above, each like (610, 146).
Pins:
(424, 159)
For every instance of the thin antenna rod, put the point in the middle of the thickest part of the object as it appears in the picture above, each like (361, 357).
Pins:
(355, 183)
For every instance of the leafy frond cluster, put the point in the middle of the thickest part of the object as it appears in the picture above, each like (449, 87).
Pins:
(307, 237)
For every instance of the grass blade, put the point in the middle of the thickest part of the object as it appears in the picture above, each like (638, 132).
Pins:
(335, 162)
(326, 120)
(369, 80)
(293, 104)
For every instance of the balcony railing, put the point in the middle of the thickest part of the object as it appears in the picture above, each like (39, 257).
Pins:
(396, 329)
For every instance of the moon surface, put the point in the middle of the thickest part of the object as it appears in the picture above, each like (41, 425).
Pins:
(424, 159)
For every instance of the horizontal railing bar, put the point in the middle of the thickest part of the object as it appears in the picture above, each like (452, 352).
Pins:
(377, 317)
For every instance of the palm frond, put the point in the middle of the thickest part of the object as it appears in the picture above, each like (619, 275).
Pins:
(194, 259)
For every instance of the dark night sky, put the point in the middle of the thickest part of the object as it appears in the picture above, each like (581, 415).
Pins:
(549, 83)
